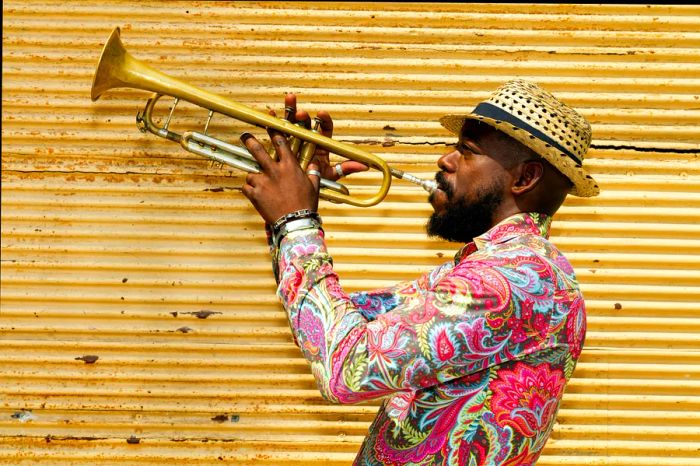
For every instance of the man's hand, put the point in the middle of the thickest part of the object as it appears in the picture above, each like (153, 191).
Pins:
(321, 161)
(283, 187)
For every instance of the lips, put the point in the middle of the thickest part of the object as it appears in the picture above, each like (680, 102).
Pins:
(442, 184)
(439, 198)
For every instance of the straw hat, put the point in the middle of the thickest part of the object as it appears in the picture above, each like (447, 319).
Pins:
(534, 117)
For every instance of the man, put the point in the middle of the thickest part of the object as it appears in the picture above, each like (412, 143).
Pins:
(471, 359)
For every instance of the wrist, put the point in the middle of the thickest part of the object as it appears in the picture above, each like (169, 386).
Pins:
(297, 214)
(295, 221)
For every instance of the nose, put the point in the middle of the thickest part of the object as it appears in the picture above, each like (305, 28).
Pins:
(447, 161)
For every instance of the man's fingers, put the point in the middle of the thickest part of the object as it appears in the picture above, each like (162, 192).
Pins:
(326, 123)
(250, 179)
(303, 117)
(348, 167)
(257, 150)
(314, 175)
(351, 166)
(248, 188)
(290, 107)
(279, 142)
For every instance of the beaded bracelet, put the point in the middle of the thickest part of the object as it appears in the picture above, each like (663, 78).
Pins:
(303, 213)
(295, 225)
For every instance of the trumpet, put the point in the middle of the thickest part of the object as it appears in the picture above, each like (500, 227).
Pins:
(117, 68)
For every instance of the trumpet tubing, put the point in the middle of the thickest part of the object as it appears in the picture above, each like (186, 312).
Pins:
(117, 68)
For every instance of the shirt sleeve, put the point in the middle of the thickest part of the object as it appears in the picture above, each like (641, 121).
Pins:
(456, 327)
(377, 302)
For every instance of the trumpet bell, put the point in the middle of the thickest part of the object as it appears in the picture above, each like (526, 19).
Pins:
(109, 66)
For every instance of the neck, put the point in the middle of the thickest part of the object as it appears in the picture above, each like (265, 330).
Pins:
(506, 209)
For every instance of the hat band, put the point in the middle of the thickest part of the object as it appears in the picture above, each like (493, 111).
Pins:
(488, 110)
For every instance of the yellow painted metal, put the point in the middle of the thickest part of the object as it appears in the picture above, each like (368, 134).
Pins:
(138, 321)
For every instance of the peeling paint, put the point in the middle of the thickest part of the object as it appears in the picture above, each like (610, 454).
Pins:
(24, 416)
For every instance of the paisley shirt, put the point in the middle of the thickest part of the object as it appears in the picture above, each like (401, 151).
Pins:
(470, 359)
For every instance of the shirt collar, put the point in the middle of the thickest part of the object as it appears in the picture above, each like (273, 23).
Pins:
(517, 225)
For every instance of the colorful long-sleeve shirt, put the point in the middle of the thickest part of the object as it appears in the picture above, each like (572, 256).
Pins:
(470, 359)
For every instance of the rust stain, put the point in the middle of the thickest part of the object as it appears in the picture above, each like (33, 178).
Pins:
(88, 358)
(202, 314)
(49, 438)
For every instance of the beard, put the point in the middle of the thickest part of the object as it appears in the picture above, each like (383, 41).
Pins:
(463, 220)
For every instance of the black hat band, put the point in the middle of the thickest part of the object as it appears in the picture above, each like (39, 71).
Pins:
(488, 110)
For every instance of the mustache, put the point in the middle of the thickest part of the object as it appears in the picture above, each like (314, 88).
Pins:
(443, 185)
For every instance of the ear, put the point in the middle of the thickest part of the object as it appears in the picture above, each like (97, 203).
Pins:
(526, 176)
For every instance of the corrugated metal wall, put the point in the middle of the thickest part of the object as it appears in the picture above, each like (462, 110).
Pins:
(138, 320)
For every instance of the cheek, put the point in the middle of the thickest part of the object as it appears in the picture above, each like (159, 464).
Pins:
(467, 183)
(474, 180)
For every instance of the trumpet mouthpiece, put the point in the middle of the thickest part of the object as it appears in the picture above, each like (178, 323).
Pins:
(430, 186)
